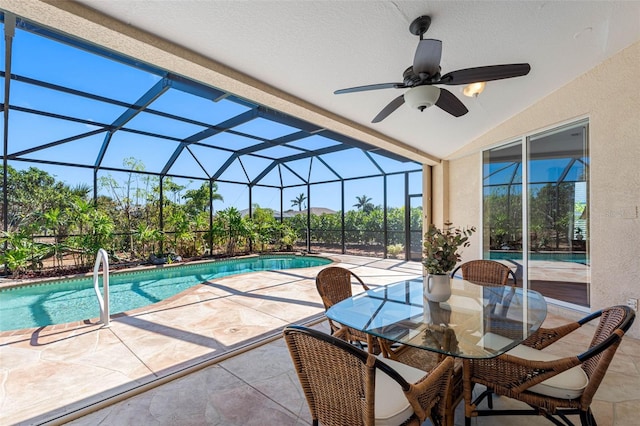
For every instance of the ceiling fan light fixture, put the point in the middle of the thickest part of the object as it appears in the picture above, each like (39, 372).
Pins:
(422, 97)
(474, 89)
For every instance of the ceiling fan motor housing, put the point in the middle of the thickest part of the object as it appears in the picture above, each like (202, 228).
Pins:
(422, 97)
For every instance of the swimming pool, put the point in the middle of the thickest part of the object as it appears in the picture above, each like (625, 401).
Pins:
(559, 256)
(58, 302)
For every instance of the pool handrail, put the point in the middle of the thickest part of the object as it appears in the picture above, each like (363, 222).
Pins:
(102, 257)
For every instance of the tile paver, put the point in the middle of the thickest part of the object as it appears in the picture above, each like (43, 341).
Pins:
(56, 370)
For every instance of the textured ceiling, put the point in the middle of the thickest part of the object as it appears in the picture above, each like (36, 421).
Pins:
(311, 48)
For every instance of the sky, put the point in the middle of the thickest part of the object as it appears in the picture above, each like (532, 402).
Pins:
(48, 60)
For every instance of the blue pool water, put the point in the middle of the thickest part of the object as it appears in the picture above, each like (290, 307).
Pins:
(58, 302)
(555, 256)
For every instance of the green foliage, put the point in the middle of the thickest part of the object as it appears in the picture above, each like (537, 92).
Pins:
(22, 252)
(231, 230)
(394, 250)
(30, 193)
(61, 223)
(197, 200)
(440, 247)
(288, 238)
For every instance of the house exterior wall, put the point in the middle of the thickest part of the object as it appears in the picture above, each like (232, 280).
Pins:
(609, 95)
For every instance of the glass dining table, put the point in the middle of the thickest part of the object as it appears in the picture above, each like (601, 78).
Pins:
(476, 321)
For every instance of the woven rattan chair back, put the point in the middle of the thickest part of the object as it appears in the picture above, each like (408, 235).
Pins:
(512, 376)
(334, 285)
(614, 322)
(338, 380)
(485, 272)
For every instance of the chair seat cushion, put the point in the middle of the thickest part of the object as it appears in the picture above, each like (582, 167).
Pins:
(567, 385)
(391, 406)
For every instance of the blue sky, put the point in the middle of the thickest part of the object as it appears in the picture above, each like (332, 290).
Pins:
(44, 59)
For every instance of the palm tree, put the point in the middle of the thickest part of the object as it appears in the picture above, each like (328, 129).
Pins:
(363, 203)
(298, 201)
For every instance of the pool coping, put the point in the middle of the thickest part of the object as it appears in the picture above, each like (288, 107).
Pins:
(7, 283)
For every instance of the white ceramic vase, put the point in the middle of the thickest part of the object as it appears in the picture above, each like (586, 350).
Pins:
(437, 288)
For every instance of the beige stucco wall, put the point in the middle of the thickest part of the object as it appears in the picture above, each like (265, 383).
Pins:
(609, 95)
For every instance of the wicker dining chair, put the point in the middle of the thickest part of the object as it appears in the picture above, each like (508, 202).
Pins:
(486, 272)
(334, 285)
(346, 386)
(428, 360)
(551, 385)
(490, 273)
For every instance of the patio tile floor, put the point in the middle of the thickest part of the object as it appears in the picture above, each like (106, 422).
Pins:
(48, 373)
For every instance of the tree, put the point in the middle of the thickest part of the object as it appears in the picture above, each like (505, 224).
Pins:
(30, 193)
(298, 201)
(364, 204)
(197, 200)
(123, 194)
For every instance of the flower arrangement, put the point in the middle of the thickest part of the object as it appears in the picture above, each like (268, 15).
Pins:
(440, 247)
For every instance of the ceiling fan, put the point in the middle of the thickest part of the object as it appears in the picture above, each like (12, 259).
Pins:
(421, 77)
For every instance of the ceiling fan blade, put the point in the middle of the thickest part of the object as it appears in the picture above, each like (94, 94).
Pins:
(370, 87)
(427, 57)
(488, 73)
(449, 103)
(392, 106)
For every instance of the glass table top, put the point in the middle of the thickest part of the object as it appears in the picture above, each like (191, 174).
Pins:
(476, 321)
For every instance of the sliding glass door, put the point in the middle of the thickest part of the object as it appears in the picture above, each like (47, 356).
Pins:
(541, 229)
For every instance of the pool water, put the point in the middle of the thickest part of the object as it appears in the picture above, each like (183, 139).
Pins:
(574, 257)
(58, 302)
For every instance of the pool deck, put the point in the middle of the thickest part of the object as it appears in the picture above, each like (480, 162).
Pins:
(55, 371)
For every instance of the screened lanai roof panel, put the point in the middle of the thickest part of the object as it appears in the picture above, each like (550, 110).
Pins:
(150, 151)
(289, 178)
(29, 131)
(578, 171)
(234, 173)
(254, 165)
(301, 167)
(163, 126)
(55, 102)
(502, 173)
(390, 165)
(272, 178)
(320, 172)
(197, 108)
(265, 129)
(2, 49)
(277, 152)
(81, 151)
(186, 165)
(34, 56)
(313, 142)
(230, 141)
(102, 87)
(210, 158)
(351, 163)
(556, 170)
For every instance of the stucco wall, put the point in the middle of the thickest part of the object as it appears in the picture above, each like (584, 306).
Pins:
(609, 95)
